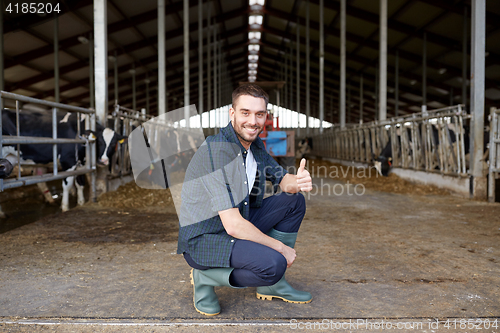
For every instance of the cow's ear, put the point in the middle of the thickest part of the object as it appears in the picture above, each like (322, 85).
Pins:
(90, 135)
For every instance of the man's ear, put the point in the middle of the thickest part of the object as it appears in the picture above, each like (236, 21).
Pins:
(231, 113)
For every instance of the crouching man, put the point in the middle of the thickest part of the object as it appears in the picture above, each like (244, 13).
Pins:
(229, 234)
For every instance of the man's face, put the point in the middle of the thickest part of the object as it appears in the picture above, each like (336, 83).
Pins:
(248, 118)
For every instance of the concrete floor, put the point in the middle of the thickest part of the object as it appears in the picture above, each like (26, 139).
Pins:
(376, 256)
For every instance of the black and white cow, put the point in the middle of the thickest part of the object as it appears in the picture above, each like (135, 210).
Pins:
(70, 156)
(304, 147)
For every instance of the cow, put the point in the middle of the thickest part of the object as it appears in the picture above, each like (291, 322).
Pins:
(70, 156)
(383, 162)
(304, 147)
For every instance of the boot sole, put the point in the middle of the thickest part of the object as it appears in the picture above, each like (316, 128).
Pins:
(270, 298)
(203, 313)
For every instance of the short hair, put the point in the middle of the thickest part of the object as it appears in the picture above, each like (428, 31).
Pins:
(250, 89)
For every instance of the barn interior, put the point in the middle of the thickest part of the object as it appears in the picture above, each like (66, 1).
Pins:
(348, 76)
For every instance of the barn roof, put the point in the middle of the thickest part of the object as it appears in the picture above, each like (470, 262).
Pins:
(132, 41)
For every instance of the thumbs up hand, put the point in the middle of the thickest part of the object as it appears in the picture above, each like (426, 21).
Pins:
(304, 181)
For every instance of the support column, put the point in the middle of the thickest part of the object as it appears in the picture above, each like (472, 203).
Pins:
(56, 59)
(147, 95)
(477, 79)
(297, 107)
(186, 62)
(424, 74)
(308, 74)
(382, 115)
(101, 60)
(361, 100)
(200, 58)
(396, 88)
(134, 99)
(464, 58)
(342, 61)
(115, 65)
(2, 81)
(215, 75)
(162, 87)
(91, 72)
(209, 62)
(321, 67)
(219, 67)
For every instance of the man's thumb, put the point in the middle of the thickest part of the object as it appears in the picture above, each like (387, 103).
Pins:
(302, 165)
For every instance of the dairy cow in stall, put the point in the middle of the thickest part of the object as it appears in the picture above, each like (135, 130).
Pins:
(70, 156)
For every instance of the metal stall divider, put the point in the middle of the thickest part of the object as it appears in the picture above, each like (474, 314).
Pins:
(90, 166)
(494, 167)
(420, 141)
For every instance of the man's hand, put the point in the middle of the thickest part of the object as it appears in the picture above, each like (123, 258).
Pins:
(304, 181)
(289, 255)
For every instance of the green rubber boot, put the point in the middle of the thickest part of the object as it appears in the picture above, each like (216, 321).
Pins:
(204, 281)
(282, 289)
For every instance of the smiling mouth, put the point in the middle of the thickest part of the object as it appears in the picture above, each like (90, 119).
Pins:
(251, 130)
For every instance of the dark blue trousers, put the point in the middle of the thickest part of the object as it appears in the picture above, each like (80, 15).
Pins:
(255, 264)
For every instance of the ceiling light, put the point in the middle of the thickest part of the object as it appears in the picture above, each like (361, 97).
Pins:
(253, 47)
(256, 2)
(253, 58)
(253, 66)
(255, 19)
(252, 72)
(442, 71)
(413, 82)
(254, 35)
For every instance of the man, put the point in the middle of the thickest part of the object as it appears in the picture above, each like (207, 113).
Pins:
(228, 233)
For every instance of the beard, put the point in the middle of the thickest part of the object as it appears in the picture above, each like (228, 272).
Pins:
(243, 135)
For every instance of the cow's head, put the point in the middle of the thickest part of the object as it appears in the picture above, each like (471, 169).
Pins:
(383, 165)
(5, 168)
(107, 142)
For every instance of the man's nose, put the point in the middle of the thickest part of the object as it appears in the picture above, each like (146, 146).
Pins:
(252, 119)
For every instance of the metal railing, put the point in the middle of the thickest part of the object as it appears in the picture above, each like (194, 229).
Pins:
(494, 167)
(18, 139)
(433, 141)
